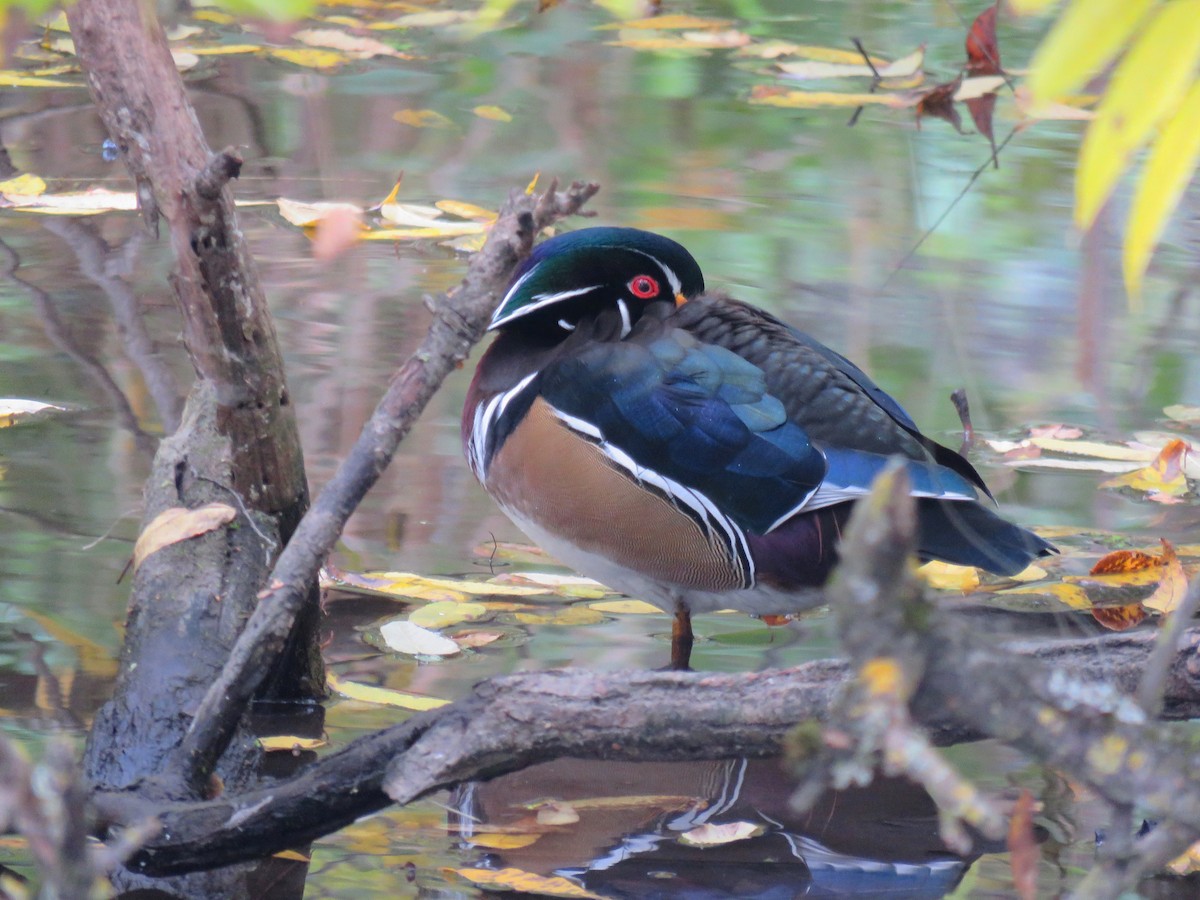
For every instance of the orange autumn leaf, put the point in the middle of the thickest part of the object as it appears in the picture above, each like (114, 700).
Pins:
(983, 54)
(1119, 618)
(1172, 587)
(1164, 475)
(1023, 850)
(1120, 562)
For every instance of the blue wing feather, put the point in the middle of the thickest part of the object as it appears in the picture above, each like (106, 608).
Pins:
(696, 414)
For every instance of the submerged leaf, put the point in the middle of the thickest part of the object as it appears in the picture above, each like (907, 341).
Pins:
(381, 696)
(408, 637)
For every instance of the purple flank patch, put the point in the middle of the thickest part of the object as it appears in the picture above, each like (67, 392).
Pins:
(802, 551)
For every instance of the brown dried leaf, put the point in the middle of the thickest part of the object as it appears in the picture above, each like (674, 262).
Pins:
(1173, 586)
(178, 524)
(1119, 618)
(1023, 847)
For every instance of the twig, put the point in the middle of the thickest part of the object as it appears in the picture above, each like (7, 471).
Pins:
(443, 348)
(875, 80)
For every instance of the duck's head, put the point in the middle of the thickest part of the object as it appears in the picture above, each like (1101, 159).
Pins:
(583, 273)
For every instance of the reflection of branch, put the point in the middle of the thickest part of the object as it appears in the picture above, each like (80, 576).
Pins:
(105, 267)
(60, 336)
(457, 325)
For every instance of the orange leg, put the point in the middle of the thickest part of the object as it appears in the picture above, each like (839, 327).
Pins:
(681, 638)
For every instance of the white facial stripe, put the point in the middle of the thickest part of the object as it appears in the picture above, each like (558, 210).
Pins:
(703, 508)
(672, 278)
(538, 301)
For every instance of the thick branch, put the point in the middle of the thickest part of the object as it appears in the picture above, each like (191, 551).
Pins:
(458, 324)
(509, 723)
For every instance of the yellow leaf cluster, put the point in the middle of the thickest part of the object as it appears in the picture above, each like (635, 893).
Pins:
(1152, 100)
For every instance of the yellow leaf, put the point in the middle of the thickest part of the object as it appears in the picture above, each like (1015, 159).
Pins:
(1093, 448)
(422, 118)
(1172, 587)
(637, 801)
(290, 743)
(532, 186)
(309, 57)
(626, 607)
(1165, 475)
(949, 577)
(492, 841)
(571, 615)
(823, 99)
(411, 215)
(466, 210)
(815, 68)
(1025, 7)
(1086, 37)
(29, 185)
(212, 15)
(446, 613)
(495, 113)
(449, 229)
(307, 215)
(1164, 178)
(709, 835)
(179, 524)
(353, 46)
(80, 203)
(224, 49)
(679, 22)
(292, 855)
(420, 587)
(1069, 595)
(523, 882)
(475, 638)
(381, 696)
(1146, 86)
(688, 40)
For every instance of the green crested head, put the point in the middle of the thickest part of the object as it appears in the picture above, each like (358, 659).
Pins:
(586, 271)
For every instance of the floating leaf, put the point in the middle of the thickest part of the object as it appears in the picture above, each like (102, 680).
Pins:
(466, 210)
(309, 57)
(352, 46)
(557, 813)
(290, 743)
(709, 835)
(81, 203)
(1164, 475)
(27, 185)
(411, 215)
(688, 40)
(983, 53)
(523, 882)
(626, 607)
(445, 613)
(381, 696)
(1119, 618)
(422, 118)
(420, 587)
(1071, 596)
(449, 229)
(13, 409)
(307, 215)
(494, 841)
(1182, 413)
(949, 577)
(679, 22)
(177, 524)
(770, 95)
(1173, 586)
(472, 639)
(813, 68)
(407, 637)
(571, 615)
(494, 113)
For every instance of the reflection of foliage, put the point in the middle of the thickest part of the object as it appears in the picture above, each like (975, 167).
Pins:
(1152, 99)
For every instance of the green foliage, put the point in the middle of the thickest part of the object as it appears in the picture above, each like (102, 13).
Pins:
(1151, 101)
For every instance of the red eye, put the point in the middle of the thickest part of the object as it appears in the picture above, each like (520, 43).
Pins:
(643, 287)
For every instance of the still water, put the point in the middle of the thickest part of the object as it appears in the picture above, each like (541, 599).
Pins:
(790, 209)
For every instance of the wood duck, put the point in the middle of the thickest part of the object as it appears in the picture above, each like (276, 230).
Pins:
(692, 450)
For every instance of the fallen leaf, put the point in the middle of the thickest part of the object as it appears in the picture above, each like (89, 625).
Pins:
(1092, 448)
(522, 882)
(407, 637)
(411, 215)
(626, 607)
(494, 113)
(422, 118)
(1183, 413)
(571, 615)
(709, 835)
(472, 639)
(772, 95)
(1173, 586)
(680, 22)
(27, 185)
(179, 524)
(983, 53)
(353, 46)
(1071, 596)
(494, 841)
(445, 613)
(381, 696)
(13, 409)
(948, 577)
(79, 203)
(1187, 862)
(688, 40)
(466, 210)
(815, 68)
(938, 103)
(448, 229)
(290, 743)
(557, 813)
(1163, 476)
(309, 57)
(1063, 432)
(1119, 618)
(307, 215)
